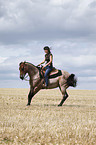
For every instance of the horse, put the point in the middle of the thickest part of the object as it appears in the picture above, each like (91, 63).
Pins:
(57, 78)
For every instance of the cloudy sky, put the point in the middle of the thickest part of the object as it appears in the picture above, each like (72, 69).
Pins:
(67, 26)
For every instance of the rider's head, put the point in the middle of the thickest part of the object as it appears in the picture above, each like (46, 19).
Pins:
(47, 48)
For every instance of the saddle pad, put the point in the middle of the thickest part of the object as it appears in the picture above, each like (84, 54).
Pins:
(55, 74)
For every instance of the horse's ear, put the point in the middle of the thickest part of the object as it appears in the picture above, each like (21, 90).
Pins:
(20, 63)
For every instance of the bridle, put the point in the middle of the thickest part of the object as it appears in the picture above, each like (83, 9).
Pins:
(26, 76)
(23, 70)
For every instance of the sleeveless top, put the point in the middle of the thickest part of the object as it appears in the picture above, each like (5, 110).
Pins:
(47, 58)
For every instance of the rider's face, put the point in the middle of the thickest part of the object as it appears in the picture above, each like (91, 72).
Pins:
(46, 51)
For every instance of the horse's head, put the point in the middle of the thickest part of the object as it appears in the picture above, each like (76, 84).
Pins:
(23, 69)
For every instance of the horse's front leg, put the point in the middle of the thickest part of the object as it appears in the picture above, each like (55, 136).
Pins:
(33, 91)
(30, 96)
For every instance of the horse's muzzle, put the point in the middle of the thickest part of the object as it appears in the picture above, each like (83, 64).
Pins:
(22, 77)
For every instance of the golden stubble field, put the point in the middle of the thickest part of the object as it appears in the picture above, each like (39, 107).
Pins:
(44, 123)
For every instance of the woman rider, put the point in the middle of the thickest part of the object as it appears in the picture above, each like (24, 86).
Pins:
(48, 63)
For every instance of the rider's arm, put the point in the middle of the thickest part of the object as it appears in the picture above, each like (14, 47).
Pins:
(42, 62)
(51, 59)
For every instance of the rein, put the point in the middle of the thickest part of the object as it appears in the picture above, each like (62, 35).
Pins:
(26, 77)
(29, 79)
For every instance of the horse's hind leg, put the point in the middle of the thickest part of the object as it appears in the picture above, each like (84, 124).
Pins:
(65, 95)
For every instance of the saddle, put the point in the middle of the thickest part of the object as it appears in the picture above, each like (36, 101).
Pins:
(53, 74)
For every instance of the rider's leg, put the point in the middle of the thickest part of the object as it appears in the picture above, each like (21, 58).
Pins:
(48, 70)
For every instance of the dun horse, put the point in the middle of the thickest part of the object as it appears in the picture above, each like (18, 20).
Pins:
(57, 78)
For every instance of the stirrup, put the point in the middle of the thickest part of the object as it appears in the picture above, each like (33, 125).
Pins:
(44, 86)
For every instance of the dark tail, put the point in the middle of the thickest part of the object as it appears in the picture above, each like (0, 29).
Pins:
(72, 80)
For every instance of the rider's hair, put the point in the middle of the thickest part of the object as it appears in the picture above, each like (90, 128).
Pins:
(47, 48)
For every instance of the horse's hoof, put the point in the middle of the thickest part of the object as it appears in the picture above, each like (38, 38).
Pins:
(59, 105)
(28, 104)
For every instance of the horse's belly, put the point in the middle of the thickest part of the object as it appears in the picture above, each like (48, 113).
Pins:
(53, 83)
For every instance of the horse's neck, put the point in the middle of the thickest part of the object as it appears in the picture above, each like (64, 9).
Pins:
(34, 75)
(32, 70)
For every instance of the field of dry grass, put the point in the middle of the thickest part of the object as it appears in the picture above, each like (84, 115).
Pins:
(44, 122)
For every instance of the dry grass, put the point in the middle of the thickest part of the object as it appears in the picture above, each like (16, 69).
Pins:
(45, 123)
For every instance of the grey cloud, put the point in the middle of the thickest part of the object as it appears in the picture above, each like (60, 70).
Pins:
(8, 73)
(38, 21)
(93, 4)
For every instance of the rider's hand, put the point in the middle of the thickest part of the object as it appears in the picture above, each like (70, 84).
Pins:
(38, 65)
(43, 67)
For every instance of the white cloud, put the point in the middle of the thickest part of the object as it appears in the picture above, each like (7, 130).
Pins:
(2, 59)
(84, 60)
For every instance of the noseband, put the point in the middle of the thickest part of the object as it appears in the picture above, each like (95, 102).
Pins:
(23, 70)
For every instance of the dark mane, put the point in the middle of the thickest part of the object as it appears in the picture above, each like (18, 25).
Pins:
(30, 64)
